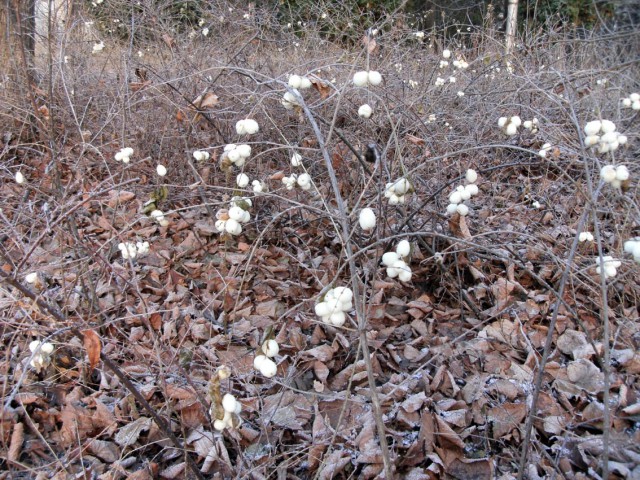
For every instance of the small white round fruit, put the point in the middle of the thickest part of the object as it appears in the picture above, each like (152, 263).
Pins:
(337, 319)
(229, 403)
(390, 258)
(404, 275)
(236, 213)
(244, 150)
(268, 368)
(592, 127)
(367, 219)
(403, 248)
(471, 176)
(360, 79)
(242, 180)
(233, 155)
(375, 78)
(463, 210)
(219, 425)
(365, 111)
(322, 309)
(271, 348)
(295, 81)
(258, 361)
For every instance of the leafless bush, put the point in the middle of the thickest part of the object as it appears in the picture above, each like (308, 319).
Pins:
(201, 299)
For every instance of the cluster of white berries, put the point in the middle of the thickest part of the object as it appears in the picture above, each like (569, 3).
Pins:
(124, 155)
(396, 262)
(585, 237)
(133, 250)
(289, 100)
(614, 175)
(397, 191)
(263, 362)
(544, 150)
(609, 266)
(247, 126)
(439, 81)
(43, 356)
(461, 64)
(367, 219)
(462, 193)
(531, 125)
(231, 406)
(509, 125)
(603, 134)
(303, 181)
(299, 83)
(258, 186)
(236, 154)
(632, 101)
(201, 155)
(296, 159)
(633, 247)
(158, 216)
(365, 111)
(363, 78)
(231, 220)
(335, 305)
(98, 47)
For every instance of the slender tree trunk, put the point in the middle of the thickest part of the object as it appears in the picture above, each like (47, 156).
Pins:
(512, 24)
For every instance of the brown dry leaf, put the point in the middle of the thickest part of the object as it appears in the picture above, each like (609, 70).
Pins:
(324, 353)
(77, 422)
(501, 290)
(584, 374)
(415, 140)
(137, 86)
(504, 331)
(118, 197)
(168, 40)
(574, 343)
(15, 446)
(446, 437)
(369, 43)
(470, 469)
(208, 100)
(93, 346)
(506, 417)
(334, 464)
(129, 433)
(323, 89)
(174, 471)
(107, 451)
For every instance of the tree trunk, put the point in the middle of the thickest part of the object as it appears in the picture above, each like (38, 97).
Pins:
(512, 24)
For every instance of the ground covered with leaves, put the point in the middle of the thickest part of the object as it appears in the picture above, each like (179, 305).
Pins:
(505, 307)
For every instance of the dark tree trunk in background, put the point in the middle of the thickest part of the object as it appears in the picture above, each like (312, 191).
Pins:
(21, 23)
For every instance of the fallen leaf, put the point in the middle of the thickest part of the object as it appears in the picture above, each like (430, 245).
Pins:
(323, 89)
(107, 451)
(129, 433)
(15, 445)
(93, 346)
